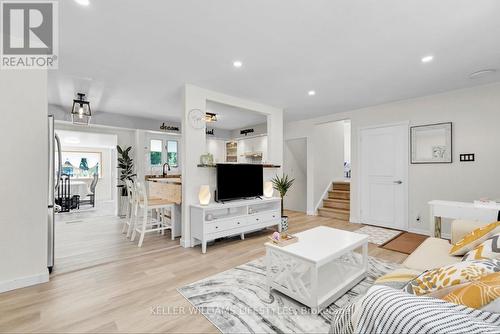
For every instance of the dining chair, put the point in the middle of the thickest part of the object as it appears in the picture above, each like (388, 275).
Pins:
(91, 194)
(160, 223)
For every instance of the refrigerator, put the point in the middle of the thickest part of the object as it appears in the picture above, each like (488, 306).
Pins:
(55, 167)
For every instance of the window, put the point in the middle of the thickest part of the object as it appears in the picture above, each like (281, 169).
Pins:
(81, 165)
(172, 155)
(155, 152)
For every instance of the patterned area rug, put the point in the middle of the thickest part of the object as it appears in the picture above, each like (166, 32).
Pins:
(237, 301)
(378, 235)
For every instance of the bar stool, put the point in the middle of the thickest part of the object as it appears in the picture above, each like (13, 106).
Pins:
(130, 186)
(148, 206)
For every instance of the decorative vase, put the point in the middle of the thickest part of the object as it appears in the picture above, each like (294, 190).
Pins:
(204, 195)
(284, 226)
(122, 206)
(268, 189)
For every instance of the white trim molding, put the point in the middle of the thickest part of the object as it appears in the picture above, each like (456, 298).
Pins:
(23, 282)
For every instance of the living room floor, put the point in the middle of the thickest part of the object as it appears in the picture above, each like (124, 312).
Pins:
(121, 295)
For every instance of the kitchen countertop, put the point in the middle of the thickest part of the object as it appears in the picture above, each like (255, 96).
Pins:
(170, 179)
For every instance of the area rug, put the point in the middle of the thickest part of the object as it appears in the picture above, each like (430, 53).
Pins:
(405, 243)
(237, 301)
(378, 235)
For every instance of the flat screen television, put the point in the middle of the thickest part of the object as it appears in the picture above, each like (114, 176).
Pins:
(237, 181)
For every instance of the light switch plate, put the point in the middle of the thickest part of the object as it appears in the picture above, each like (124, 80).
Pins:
(467, 157)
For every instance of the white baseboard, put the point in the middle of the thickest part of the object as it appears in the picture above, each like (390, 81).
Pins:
(23, 282)
(312, 213)
(418, 231)
(185, 243)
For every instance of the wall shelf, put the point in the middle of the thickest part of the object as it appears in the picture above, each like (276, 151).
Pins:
(215, 165)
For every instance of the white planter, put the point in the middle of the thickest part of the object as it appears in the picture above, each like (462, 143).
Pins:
(122, 206)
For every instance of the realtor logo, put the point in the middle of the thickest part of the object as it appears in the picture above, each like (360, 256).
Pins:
(29, 32)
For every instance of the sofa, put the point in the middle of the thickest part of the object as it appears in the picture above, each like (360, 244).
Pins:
(434, 252)
(429, 312)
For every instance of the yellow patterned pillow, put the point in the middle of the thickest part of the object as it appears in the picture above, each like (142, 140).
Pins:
(478, 293)
(474, 238)
(455, 274)
(489, 249)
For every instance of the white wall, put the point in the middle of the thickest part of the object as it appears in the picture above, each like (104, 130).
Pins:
(328, 139)
(114, 120)
(194, 145)
(475, 114)
(295, 166)
(24, 167)
(347, 141)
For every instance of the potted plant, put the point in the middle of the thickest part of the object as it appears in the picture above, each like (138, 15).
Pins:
(126, 166)
(282, 184)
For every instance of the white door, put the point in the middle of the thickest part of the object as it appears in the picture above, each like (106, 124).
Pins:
(383, 166)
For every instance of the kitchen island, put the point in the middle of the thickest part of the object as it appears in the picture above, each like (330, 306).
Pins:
(168, 188)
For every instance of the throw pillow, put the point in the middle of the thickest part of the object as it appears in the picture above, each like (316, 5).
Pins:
(458, 273)
(489, 249)
(474, 238)
(398, 278)
(478, 293)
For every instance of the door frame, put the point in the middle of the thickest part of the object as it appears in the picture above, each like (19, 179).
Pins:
(405, 177)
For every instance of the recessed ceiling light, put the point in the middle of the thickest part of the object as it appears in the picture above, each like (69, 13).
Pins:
(482, 73)
(237, 63)
(427, 59)
(83, 2)
(311, 93)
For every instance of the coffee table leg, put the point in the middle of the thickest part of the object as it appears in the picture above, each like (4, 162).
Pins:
(268, 272)
(314, 290)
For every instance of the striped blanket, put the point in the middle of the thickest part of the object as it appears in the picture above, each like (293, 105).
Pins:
(386, 310)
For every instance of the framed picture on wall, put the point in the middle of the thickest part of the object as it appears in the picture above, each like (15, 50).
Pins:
(431, 144)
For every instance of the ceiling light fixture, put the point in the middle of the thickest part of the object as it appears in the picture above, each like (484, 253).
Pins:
(210, 117)
(427, 59)
(83, 2)
(311, 93)
(482, 73)
(237, 63)
(81, 112)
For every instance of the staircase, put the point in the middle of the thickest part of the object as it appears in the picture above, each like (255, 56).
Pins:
(337, 205)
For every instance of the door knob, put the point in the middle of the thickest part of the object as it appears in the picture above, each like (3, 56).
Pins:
(398, 182)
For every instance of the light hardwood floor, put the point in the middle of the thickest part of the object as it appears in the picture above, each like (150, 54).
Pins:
(120, 296)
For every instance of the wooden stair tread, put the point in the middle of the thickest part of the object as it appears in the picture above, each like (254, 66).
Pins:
(337, 200)
(334, 210)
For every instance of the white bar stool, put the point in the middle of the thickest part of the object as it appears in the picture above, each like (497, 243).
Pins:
(150, 224)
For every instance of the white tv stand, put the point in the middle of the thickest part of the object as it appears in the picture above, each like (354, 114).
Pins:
(217, 220)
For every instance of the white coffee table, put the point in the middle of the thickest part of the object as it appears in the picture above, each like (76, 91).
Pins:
(319, 268)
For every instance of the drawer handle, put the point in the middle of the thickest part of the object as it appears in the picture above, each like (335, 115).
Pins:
(257, 219)
(238, 223)
(216, 226)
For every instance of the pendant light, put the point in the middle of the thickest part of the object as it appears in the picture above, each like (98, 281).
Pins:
(81, 113)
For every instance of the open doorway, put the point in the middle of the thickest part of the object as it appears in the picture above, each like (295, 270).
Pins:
(88, 163)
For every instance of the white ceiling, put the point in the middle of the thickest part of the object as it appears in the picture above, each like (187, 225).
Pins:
(133, 57)
(232, 118)
(86, 139)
